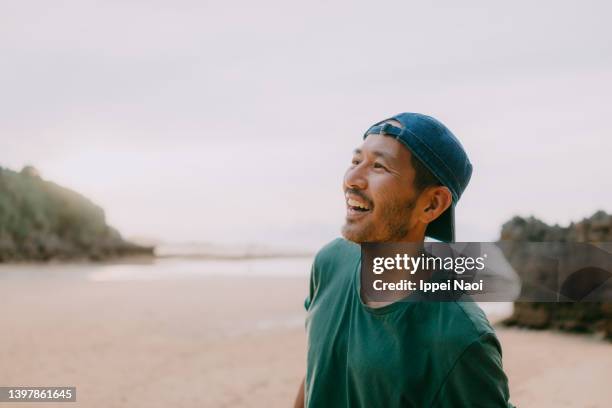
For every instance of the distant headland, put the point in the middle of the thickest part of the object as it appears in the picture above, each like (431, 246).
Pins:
(42, 221)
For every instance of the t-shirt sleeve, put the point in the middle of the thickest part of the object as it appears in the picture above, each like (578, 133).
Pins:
(477, 378)
(312, 286)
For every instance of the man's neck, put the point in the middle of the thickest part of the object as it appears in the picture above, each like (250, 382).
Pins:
(397, 275)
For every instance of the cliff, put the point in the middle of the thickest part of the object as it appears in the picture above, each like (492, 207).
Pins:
(41, 221)
(579, 316)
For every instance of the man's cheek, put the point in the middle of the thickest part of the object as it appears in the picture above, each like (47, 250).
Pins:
(385, 193)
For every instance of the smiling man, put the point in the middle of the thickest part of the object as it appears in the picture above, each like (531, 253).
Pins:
(402, 185)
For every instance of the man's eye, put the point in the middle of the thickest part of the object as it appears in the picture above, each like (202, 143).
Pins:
(355, 162)
(379, 166)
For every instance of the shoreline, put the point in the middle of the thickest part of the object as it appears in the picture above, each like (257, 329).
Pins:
(142, 258)
(81, 260)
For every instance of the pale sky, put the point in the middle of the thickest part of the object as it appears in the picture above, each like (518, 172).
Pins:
(233, 121)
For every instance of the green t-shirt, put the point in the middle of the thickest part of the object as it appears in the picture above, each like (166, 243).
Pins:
(406, 354)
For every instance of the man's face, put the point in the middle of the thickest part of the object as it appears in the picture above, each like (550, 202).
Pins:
(379, 191)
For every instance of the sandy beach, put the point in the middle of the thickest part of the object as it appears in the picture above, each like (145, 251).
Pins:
(214, 341)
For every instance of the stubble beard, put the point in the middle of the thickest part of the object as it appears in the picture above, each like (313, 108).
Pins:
(395, 227)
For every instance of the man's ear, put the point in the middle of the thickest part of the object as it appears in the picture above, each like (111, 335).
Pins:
(437, 200)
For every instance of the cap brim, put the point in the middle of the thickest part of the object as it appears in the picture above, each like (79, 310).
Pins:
(443, 227)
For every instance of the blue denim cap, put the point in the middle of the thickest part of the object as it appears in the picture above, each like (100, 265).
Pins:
(441, 152)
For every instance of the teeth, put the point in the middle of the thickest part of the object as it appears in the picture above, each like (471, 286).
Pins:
(355, 203)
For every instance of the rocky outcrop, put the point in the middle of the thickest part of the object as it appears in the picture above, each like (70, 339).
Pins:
(571, 316)
(42, 221)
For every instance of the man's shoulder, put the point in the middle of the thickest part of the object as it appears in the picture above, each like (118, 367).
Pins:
(334, 262)
(452, 325)
(460, 324)
(337, 250)
(474, 317)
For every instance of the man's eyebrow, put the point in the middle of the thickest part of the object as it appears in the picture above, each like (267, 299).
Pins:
(377, 153)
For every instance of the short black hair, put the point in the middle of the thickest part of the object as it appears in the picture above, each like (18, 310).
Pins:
(423, 177)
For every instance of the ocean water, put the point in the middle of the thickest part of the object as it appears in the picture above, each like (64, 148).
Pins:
(161, 269)
(174, 268)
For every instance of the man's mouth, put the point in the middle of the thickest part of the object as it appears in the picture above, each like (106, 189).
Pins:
(356, 207)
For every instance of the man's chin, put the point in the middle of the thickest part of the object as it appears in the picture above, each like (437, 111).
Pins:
(353, 233)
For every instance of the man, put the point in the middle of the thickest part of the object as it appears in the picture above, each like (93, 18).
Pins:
(402, 185)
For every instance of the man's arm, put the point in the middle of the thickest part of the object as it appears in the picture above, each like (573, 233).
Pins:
(477, 378)
(299, 400)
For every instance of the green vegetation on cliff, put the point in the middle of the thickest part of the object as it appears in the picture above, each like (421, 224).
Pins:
(40, 220)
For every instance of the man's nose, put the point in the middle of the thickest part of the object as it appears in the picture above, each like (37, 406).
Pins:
(355, 178)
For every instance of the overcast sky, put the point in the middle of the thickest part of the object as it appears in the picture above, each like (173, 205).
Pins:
(234, 121)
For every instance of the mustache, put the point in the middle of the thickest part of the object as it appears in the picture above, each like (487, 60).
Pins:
(360, 195)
